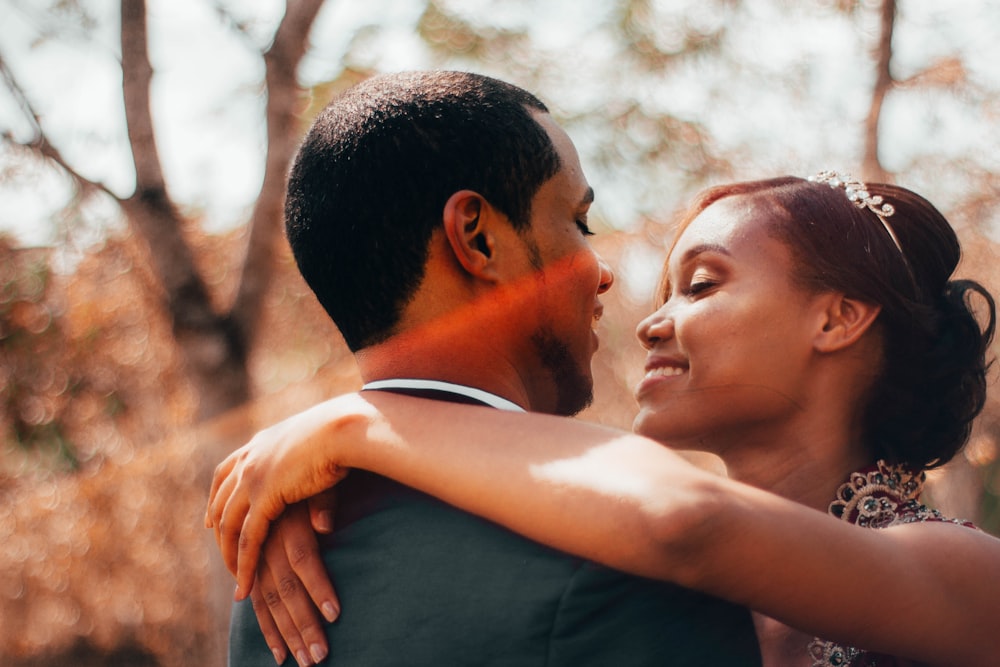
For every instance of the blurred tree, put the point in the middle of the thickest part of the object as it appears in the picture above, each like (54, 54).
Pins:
(871, 166)
(214, 342)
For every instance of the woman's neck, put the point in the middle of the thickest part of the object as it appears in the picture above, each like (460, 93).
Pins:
(804, 465)
(807, 480)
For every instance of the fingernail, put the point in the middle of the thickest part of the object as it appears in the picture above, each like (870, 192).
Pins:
(318, 652)
(236, 593)
(279, 655)
(303, 658)
(324, 521)
(329, 612)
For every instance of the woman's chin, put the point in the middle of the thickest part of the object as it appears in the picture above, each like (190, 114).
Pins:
(640, 425)
(653, 425)
(669, 431)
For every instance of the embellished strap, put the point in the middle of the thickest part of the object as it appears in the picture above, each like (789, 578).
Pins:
(872, 498)
(828, 654)
(876, 497)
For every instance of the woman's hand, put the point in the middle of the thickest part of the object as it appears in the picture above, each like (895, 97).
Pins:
(286, 463)
(292, 587)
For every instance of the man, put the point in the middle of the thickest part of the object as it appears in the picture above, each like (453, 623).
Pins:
(440, 218)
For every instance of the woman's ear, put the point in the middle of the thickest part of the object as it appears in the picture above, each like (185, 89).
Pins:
(466, 226)
(844, 321)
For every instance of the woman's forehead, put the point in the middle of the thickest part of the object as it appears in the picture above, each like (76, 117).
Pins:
(721, 223)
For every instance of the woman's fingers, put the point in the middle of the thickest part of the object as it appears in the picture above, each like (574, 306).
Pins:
(253, 485)
(302, 550)
(220, 475)
(268, 627)
(287, 601)
(220, 525)
(273, 615)
(322, 508)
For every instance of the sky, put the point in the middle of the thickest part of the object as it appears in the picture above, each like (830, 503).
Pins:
(795, 104)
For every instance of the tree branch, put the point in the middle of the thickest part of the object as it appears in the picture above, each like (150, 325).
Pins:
(948, 72)
(281, 63)
(871, 166)
(41, 145)
(240, 28)
(137, 75)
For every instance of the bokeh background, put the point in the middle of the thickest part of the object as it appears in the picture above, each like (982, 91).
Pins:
(151, 318)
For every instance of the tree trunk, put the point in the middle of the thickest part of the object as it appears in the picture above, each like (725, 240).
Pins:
(214, 351)
(214, 345)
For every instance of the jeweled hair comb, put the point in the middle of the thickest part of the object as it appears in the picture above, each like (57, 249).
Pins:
(858, 194)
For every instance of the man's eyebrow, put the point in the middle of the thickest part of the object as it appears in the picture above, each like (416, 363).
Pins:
(694, 251)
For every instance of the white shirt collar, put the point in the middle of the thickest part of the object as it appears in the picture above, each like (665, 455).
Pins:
(439, 385)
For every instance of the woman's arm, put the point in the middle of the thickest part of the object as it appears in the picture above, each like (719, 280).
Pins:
(926, 591)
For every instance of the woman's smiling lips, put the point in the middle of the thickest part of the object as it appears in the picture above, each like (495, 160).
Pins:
(659, 368)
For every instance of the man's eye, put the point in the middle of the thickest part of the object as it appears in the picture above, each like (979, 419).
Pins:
(584, 229)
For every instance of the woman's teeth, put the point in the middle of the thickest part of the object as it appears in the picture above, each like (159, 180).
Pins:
(665, 371)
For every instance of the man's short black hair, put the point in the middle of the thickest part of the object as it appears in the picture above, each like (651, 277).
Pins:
(370, 181)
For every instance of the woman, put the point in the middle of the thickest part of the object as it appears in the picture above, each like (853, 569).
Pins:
(811, 337)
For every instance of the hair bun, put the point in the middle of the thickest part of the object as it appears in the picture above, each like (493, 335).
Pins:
(954, 369)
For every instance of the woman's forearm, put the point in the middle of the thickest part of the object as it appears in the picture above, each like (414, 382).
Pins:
(604, 494)
(578, 487)
(607, 495)
(632, 504)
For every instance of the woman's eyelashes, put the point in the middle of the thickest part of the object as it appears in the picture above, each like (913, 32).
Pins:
(693, 289)
(699, 284)
(581, 223)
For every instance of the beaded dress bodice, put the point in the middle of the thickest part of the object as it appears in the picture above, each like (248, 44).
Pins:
(878, 497)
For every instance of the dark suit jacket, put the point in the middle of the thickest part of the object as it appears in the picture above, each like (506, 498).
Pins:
(424, 584)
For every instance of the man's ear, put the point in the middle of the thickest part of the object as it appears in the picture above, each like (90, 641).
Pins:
(844, 321)
(466, 225)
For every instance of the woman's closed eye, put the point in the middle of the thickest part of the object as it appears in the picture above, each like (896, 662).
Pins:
(699, 286)
(584, 229)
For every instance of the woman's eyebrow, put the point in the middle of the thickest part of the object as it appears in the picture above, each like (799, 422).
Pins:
(702, 248)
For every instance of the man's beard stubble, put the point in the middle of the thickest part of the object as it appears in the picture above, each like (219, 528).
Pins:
(574, 386)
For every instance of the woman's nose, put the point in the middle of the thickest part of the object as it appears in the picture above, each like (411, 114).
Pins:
(654, 328)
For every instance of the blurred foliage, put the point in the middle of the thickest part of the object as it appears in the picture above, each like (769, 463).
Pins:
(34, 386)
(87, 360)
(100, 565)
